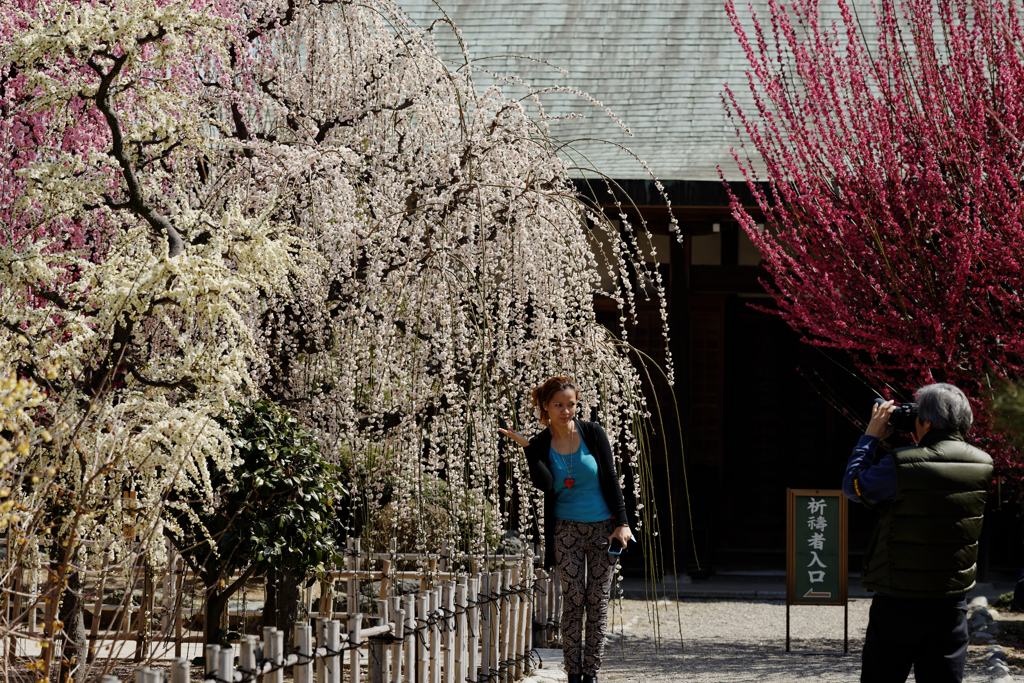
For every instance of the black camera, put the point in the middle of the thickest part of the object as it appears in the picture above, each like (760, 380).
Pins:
(902, 419)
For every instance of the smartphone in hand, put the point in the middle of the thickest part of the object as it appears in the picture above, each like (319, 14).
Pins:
(615, 547)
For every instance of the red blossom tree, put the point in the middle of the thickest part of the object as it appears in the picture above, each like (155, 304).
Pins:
(892, 143)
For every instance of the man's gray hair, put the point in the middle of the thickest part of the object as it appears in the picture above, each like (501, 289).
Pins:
(945, 406)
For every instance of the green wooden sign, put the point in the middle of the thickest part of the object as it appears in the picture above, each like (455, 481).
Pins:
(816, 571)
(816, 551)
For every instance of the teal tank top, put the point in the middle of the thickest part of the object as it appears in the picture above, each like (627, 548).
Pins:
(583, 501)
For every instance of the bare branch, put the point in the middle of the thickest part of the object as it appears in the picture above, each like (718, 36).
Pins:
(136, 200)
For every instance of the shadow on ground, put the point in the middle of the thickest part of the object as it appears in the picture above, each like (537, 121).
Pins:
(704, 660)
(738, 641)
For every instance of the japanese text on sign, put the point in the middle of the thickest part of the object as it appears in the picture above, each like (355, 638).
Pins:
(816, 532)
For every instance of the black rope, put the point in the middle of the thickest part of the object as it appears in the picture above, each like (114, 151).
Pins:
(421, 631)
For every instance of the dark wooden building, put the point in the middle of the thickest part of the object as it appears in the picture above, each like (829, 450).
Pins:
(760, 411)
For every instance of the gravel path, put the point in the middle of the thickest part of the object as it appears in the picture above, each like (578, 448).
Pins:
(739, 641)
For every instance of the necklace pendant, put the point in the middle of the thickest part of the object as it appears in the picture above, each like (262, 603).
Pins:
(569, 482)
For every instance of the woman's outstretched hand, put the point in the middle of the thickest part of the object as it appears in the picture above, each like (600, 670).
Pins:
(515, 436)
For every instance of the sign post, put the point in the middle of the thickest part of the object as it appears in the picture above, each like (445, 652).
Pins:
(816, 552)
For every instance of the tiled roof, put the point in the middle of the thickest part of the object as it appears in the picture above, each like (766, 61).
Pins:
(659, 66)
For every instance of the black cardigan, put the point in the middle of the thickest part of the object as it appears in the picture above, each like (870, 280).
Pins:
(540, 473)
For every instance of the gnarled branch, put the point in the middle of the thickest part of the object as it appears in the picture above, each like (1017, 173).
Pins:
(136, 200)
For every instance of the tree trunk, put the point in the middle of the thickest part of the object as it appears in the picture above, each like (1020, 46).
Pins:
(287, 608)
(215, 622)
(281, 603)
(269, 616)
(75, 639)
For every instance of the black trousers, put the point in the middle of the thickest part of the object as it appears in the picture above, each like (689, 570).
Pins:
(930, 635)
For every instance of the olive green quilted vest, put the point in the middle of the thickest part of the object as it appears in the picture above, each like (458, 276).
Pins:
(925, 544)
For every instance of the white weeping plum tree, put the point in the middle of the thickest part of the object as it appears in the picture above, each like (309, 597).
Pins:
(456, 271)
(207, 202)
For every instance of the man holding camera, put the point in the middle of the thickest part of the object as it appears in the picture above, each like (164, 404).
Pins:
(923, 552)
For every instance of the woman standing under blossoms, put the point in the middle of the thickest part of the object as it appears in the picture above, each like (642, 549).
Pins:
(571, 462)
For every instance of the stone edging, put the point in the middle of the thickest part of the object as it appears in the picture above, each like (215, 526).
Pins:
(983, 629)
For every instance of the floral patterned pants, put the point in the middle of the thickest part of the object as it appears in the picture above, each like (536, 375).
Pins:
(586, 569)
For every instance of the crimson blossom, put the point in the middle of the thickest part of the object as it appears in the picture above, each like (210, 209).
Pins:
(891, 142)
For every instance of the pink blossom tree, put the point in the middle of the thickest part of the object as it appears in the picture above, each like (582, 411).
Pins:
(888, 147)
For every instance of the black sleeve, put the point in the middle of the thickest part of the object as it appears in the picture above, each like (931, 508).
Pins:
(609, 479)
(537, 460)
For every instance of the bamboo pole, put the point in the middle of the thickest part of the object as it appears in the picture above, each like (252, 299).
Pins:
(435, 636)
(461, 640)
(355, 626)
(556, 610)
(333, 662)
(431, 573)
(411, 647)
(512, 648)
(540, 596)
(179, 603)
(524, 624)
(448, 600)
(320, 629)
(302, 672)
(262, 655)
(485, 628)
(181, 670)
(276, 640)
(247, 655)
(385, 579)
(226, 667)
(212, 661)
(396, 646)
(528, 638)
(475, 627)
(326, 603)
(356, 565)
(422, 651)
(384, 616)
(350, 596)
(494, 646)
(375, 664)
(506, 624)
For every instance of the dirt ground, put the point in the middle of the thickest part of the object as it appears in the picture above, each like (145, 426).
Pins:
(1011, 637)
(711, 642)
